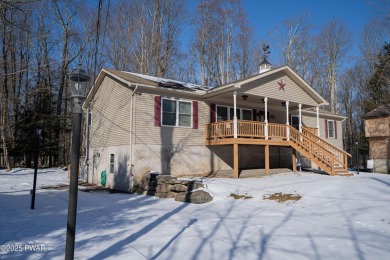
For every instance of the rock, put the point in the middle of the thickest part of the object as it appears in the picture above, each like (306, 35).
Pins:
(165, 178)
(179, 188)
(163, 188)
(196, 197)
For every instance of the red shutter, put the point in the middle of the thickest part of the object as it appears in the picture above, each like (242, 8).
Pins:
(195, 114)
(326, 128)
(254, 114)
(212, 113)
(157, 111)
(335, 129)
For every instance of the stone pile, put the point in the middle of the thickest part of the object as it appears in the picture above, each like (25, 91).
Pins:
(166, 186)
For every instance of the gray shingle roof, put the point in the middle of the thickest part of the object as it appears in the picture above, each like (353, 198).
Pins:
(381, 111)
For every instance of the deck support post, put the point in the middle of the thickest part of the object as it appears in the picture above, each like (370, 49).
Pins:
(294, 159)
(235, 155)
(266, 117)
(235, 114)
(287, 121)
(266, 159)
(318, 121)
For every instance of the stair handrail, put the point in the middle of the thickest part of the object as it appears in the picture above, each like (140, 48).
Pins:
(322, 154)
(304, 132)
(341, 156)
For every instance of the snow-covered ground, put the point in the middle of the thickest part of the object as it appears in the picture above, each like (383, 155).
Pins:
(337, 218)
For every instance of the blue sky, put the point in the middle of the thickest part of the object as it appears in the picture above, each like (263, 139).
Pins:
(265, 15)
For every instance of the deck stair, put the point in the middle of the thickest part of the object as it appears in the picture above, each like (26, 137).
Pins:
(331, 159)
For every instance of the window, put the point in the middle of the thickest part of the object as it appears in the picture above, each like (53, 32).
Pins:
(295, 121)
(222, 113)
(227, 113)
(112, 163)
(246, 114)
(176, 112)
(232, 113)
(331, 129)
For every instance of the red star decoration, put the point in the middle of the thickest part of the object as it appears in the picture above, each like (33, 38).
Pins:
(281, 85)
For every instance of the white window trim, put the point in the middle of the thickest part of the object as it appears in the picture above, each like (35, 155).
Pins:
(177, 111)
(334, 122)
(230, 117)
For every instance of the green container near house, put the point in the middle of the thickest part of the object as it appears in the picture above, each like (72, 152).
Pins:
(103, 178)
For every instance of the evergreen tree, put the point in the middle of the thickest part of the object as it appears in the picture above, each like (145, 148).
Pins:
(379, 84)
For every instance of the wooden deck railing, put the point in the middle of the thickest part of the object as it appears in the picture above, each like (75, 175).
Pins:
(312, 130)
(312, 146)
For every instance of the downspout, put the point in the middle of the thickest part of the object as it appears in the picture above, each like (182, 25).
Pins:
(86, 162)
(131, 139)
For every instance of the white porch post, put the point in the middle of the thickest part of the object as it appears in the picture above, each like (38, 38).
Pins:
(300, 117)
(318, 121)
(287, 121)
(235, 114)
(266, 117)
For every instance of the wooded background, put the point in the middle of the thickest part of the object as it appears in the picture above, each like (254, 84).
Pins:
(43, 40)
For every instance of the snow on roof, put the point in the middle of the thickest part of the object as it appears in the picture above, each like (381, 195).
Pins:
(171, 83)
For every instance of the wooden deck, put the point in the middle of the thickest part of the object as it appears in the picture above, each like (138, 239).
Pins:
(327, 156)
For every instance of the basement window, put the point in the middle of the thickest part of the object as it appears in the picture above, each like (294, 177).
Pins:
(112, 163)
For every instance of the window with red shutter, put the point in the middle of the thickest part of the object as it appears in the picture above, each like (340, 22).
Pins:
(157, 111)
(212, 113)
(195, 114)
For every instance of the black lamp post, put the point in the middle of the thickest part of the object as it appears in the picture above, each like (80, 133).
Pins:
(79, 80)
(357, 157)
(38, 132)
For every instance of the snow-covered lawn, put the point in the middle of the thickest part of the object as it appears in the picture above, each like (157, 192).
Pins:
(336, 218)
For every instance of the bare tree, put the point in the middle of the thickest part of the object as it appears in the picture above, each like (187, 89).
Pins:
(372, 39)
(333, 45)
(219, 26)
(291, 39)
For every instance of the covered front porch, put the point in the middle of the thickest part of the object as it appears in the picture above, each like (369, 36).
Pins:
(266, 110)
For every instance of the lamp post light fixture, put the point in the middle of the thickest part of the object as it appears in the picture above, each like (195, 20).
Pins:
(79, 80)
(37, 135)
(357, 157)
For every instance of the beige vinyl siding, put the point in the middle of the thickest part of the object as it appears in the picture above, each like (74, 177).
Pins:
(269, 87)
(110, 114)
(310, 121)
(147, 133)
